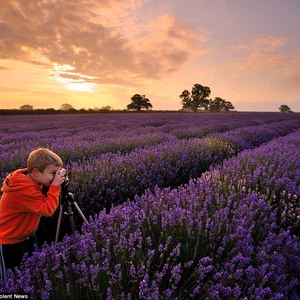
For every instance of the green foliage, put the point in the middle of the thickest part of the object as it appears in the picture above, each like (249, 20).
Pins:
(198, 98)
(219, 104)
(138, 102)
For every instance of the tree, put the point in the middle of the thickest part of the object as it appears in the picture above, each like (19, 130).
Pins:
(284, 108)
(198, 98)
(139, 102)
(186, 100)
(66, 106)
(108, 107)
(26, 107)
(219, 104)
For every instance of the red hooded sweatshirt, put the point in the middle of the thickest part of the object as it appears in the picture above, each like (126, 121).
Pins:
(22, 205)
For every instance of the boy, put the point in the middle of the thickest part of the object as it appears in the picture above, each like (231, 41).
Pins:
(28, 194)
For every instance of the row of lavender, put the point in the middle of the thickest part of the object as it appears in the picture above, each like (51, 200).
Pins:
(224, 235)
(81, 136)
(103, 180)
(114, 123)
(111, 178)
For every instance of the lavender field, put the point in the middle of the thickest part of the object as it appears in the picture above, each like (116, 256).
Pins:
(180, 206)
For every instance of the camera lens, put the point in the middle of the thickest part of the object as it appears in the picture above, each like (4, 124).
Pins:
(62, 171)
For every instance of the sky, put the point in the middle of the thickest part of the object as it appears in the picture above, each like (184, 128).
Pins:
(99, 53)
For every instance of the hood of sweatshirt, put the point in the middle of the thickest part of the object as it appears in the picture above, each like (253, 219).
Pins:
(17, 180)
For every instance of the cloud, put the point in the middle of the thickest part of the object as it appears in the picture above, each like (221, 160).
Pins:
(261, 61)
(267, 44)
(168, 27)
(292, 74)
(261, 53)
(105, 40)
(14, 90)
(166, 44)
(23, 91)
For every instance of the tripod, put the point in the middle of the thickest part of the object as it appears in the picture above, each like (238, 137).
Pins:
(66, 200)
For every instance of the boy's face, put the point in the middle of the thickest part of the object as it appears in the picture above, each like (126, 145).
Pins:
(45, 178)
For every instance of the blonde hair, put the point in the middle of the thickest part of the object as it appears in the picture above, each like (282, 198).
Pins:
(41, 158)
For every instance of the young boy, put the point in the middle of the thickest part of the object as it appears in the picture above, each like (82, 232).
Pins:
(27, 195)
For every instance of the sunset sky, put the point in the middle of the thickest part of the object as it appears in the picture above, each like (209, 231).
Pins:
(96, 53)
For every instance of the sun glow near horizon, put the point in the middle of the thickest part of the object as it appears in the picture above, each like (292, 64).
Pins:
(71, 80)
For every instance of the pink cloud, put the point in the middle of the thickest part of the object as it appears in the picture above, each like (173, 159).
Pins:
(261, 53)
(166, 44)
(168, 27)
(268, 44)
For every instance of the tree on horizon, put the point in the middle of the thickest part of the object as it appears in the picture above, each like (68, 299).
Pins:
(198, 98)
(66, 106)
(139, 102)
(285, 109)
(26, 107)
(219, 104)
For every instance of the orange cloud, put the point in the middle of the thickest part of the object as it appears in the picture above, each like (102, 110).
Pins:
(94, 38)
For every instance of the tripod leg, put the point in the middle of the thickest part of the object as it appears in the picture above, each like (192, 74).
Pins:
(58, 223)
(70, 216)
(80, 212)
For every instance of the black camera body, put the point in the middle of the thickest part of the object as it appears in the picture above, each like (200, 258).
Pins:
(65, 184)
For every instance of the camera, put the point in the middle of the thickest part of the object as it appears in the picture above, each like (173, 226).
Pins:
(62, 171)
(65, 184)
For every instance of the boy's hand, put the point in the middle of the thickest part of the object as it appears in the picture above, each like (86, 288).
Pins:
(59, 178)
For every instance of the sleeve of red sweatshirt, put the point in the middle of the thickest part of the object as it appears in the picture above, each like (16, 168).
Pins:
(36, 202)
